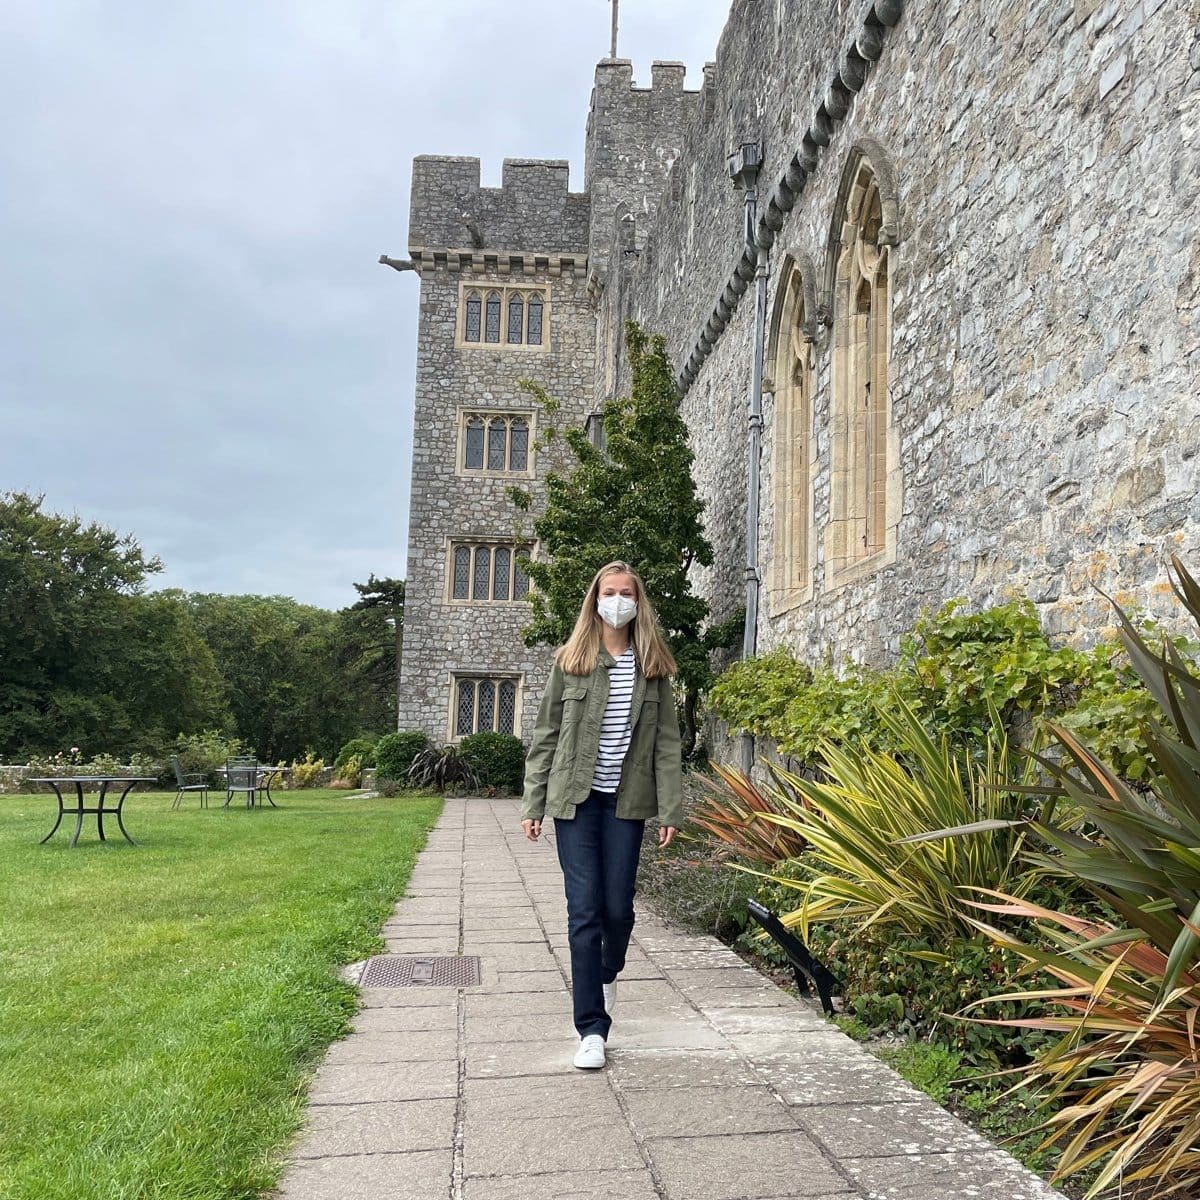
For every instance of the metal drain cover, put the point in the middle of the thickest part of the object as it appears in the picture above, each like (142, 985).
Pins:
(414, 970)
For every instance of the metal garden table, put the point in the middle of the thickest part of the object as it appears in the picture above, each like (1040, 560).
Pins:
(101, 811)
(262, 783)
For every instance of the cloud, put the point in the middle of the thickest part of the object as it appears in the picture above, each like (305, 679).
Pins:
(196, 343)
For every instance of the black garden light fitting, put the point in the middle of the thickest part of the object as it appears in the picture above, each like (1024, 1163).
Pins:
(810, 972)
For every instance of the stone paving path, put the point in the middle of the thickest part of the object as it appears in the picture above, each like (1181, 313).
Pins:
(720, 1086)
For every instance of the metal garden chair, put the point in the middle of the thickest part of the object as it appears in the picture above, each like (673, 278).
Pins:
(192, 781)
(241, 775)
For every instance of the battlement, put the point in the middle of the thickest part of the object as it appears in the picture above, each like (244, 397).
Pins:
(533, 209)
(634, 135)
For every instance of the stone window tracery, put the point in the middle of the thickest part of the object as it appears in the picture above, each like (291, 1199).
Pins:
(484, 704)
(792, 561)
(862, 464)
(488, 572)
(494, 443)
(492, 328)
(502, 318)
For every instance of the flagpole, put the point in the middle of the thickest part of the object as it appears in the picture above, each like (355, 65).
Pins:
(616, 4)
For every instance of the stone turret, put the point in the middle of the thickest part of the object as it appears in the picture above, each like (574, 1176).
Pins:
(532, 210)
(633, 136)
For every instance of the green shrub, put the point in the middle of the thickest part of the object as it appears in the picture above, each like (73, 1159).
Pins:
(205, 752)
(362, 748)
(306, 772)
(394, 753)
(350, 773)
(498, 760)
(955, 667)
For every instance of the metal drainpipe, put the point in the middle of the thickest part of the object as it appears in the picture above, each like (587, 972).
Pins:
(743, 169)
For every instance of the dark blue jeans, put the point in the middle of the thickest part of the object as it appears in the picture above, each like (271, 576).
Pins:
(598, 852)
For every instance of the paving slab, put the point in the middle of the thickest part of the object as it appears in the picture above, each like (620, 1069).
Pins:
(689, 1111)
(745, 1166)
(364, 1083)
(395, 1046)
(415, 1176)
(720, 1086)
(388, 1127)
(565, 1185)
(406, 1020)
(887, 1130)
(989, 1175)
(501, 1144)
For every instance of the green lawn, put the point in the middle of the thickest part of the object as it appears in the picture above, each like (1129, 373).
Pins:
(162, 1006)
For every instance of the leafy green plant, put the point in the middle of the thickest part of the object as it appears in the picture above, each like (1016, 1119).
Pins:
(1120, 1083)
(362, 748)
(853, 819)
(350, 774)
(206, 752)
(954, 669)
(498, 760)
(306, 771)
(394, 753)
(442, 768)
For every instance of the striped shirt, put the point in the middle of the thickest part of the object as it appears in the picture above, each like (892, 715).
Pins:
(615, 730)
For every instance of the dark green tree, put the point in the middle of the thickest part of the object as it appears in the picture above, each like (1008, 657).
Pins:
(378, 617)
(634, 500)
(86, 657)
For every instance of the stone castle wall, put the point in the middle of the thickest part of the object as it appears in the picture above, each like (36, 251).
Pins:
(1044, 367)
(1045, 355)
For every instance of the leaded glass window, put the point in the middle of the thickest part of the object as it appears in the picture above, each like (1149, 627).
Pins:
(493, 317)
(474, 448)
(487, 705)
(508, 316)
(483, 571)
(487, 573)
(506, 714)
(501, 575)
(465, 709)
(497, 439)
(462, 573)
(484, 705)
(474, 310)
(516, 319)
(518, 445)
(535, 319)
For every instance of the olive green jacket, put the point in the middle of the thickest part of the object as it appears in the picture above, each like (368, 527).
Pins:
(566, 742)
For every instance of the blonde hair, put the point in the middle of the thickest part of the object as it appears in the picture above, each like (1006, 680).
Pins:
(579, 654)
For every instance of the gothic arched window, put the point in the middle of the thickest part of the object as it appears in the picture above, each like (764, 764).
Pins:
(492, 329)
(473, 451)
(474, 314)
(862, 465)
(792, 561)
(535, 319)
(518, 452)
(516, 319)
(502, 317)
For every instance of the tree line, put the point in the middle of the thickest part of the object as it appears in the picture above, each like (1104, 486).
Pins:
(90, 658)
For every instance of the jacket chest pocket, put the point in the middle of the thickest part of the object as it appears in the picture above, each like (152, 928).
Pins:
(574, 700)
(574, 705)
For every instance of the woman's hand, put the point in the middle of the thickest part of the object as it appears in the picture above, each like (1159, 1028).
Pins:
(533, 829)
(666, 835)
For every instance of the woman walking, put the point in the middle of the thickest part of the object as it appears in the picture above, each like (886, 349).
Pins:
(604, 757)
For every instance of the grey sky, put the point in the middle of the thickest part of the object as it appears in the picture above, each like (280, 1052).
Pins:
(196, 344)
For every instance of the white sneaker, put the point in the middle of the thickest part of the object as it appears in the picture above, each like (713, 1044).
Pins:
(590, 1054)
(610, 997)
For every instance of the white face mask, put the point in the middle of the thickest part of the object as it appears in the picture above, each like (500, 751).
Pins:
(616, 611)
